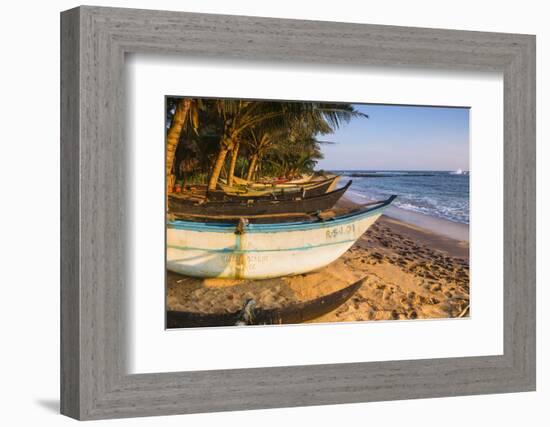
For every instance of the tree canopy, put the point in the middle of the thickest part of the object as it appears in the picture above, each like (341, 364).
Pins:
(262, 139)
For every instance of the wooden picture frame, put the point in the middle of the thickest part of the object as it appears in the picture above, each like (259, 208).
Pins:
(94, 41)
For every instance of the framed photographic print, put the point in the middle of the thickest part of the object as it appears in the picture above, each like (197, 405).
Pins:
(277, 213)
(261, 229)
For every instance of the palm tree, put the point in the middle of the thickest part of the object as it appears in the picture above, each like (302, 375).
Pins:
(294, 158)
(233, 162)
(259, 142)
(294, 130)
(186, 111)
(259, 126)
(237, 116)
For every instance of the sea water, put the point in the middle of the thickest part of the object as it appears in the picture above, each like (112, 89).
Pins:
(444, 195)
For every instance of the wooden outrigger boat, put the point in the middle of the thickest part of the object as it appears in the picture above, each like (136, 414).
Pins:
(250, 315)
(184, 206)
(260, 251)
(312, 189)
(283, 183)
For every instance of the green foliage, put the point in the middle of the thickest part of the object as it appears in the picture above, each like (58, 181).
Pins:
(283, 136)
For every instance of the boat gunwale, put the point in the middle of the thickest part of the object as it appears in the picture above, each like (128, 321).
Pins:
(203, 202)
(292, 186)
(281, 227)
(252, 192)
(293, 313)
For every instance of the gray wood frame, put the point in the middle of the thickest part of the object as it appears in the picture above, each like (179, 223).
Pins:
(94, 40)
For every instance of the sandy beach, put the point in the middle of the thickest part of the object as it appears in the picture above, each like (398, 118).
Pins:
(406, 271)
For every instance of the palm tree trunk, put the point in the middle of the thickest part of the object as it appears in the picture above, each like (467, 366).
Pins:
(234, 155)
(173, 137)
(252, 167)
(220, 160)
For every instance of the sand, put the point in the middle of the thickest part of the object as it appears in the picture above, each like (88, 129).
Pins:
(407, 272)
(411, 273)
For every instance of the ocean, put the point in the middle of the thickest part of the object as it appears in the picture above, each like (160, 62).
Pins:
(444, 195)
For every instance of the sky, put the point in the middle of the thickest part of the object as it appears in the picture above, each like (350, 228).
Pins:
(398, 137)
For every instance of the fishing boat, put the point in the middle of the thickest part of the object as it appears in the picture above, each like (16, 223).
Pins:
(259, 251)
(183, 205)
(312, 189)
(279, 183)
(304, 178)
(252, 315)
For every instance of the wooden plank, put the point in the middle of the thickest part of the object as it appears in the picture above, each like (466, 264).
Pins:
(70, 219)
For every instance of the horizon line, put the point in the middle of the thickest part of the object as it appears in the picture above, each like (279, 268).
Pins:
(395, 170)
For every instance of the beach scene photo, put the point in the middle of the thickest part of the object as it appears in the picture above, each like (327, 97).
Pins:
(290, 212)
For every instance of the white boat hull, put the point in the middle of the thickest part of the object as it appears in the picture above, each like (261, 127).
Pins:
(262, 251)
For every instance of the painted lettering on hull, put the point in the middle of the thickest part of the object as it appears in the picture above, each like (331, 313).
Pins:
(341, 231)
(244, 261)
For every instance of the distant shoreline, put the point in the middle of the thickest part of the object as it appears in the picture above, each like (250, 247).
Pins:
(440, 226)
(454, 230)
(387, 174)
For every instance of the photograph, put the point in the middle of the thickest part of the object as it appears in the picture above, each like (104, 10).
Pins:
(275, 210)
(288, 212)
